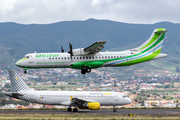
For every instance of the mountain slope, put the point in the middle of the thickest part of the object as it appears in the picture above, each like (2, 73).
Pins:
(18, 39)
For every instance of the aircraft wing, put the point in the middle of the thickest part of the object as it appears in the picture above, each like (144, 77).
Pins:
(79, 101)
(76, 101)
(95, 48)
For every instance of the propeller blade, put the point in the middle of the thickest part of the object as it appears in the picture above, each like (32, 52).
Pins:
(62, 50)
(70, 51)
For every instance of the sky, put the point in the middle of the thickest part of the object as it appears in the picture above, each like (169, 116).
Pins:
(51, 11)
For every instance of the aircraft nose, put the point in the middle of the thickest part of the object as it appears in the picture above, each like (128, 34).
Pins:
(129, 100)
(18, 63)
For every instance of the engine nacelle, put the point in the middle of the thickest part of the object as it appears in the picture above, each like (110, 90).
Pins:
(91, 106)
(79, 52)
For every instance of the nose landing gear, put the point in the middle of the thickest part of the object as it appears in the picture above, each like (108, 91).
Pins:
(114, 110)
(25, 71)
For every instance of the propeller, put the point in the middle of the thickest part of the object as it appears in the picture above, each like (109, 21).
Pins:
(70, 51)
(62, 50)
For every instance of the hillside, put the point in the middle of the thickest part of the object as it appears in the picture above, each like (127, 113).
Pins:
(18, 39)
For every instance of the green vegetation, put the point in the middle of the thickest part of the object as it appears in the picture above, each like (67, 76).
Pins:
(82, 117)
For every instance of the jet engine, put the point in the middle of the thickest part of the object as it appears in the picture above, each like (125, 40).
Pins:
(91, 106)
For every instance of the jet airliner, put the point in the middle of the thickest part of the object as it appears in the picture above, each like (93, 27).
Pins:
(90, 57)
(77, 99)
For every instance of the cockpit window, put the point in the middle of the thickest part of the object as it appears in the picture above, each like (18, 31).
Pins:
(124, 96)
(27, 56)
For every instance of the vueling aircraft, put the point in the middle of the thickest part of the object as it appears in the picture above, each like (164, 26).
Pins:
(90, 57)
(83, 100)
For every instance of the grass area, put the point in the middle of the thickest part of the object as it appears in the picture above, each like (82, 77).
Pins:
(164, 65)
(82, 117)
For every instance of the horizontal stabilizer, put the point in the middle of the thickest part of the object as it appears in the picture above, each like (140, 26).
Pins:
(163, 31)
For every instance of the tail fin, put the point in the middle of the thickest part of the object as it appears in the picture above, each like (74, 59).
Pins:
(155, 41)
(16, 82)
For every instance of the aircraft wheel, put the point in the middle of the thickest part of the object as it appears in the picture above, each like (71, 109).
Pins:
(25, 71)
(114, 110)
(69, 109)
(88, 70)
(75, 110)
(83, 71)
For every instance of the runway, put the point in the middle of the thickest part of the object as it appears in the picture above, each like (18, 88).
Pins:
(168, 112)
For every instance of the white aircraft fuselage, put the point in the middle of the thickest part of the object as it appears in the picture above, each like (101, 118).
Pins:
(90, 57)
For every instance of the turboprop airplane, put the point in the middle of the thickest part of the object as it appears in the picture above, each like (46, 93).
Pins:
(90, 57)
(83, 100)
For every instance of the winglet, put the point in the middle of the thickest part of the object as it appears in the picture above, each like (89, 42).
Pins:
(71, 97)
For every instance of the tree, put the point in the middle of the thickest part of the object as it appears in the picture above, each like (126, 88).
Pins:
(7, 85)
(134, 92)
(167, 86)
(3, 102)
(177, 69)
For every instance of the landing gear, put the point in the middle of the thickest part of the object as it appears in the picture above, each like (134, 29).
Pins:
(69, 109)
(75, 110)
(114, 110)
(83, 71)
(86, 69)
(25, 71)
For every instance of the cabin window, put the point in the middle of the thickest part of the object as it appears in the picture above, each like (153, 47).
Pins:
(67, 57)
(114, 56)
(99, 57)
(89, 57)
(53, 58)
(74, 57)
(77, 57)
(102, 57)
(64, 57)
(108, 56)
(58, 57)
(86, 57)
(83, 57)
(50, 58)
(61, 57)
(80, 57)
(96, 57)
(92, 57)
(111, 56)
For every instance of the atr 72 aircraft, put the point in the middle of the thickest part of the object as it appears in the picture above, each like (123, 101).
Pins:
(83, 100)
(90, 57)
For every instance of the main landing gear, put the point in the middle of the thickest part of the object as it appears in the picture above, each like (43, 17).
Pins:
(86, 69)
(114, 110)
(74, 110)
(69, 109)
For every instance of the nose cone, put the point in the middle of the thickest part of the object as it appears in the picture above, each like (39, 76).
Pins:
(18, 63)
(129, 100)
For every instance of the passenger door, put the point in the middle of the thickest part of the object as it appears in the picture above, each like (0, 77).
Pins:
(116, 97)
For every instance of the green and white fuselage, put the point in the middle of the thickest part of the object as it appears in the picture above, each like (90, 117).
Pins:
(149, 50)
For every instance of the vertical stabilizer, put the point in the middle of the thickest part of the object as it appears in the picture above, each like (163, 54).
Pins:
(155, 41)
(16, 82)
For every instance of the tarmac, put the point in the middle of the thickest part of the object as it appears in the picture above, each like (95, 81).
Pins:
(151, 112)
